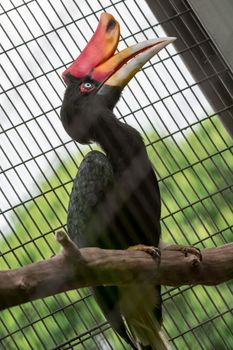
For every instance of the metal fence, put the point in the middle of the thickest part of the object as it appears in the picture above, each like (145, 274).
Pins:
(187, 144)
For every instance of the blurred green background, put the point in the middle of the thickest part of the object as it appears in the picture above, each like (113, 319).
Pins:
(196, 188)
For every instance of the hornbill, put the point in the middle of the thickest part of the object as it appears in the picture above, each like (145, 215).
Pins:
(115, 200)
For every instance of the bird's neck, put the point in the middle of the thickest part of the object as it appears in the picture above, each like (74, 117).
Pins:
(122, 144)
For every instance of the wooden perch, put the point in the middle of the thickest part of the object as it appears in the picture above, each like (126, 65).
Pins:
(76, 268)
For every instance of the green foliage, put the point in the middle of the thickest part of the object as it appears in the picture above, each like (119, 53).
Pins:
(194, 169)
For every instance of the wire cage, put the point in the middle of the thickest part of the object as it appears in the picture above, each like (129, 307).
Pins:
(188, 146)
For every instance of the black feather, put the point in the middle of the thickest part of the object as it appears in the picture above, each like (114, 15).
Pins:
(115, 201)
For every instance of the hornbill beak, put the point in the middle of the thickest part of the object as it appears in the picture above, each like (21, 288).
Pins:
(98, 62)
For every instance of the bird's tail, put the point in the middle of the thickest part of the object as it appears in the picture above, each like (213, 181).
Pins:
(147, 334)
(142, 321)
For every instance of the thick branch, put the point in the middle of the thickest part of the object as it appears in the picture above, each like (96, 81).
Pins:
(73, 268)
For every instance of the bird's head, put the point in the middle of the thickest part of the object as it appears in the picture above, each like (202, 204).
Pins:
(97, 77)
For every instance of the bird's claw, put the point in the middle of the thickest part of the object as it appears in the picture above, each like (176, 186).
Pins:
(185, 250)
(151, 250)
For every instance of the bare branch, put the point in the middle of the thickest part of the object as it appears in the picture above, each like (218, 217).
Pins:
(76, 268)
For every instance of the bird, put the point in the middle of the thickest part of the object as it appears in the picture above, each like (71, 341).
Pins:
(115, 201)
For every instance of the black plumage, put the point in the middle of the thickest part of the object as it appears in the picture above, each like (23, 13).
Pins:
(115, 200)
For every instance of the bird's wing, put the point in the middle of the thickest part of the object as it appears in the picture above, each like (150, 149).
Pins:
(92, 181)
(89, 226)
(85, 227)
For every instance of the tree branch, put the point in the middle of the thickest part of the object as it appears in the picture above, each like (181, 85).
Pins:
(76, 268)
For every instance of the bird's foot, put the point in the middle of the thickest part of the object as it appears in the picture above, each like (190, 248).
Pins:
(151, 250)
(185, 250)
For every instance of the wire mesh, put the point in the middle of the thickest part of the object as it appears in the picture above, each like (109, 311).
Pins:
(187, 144)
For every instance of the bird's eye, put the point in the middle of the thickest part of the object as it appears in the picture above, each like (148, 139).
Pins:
(87, 87)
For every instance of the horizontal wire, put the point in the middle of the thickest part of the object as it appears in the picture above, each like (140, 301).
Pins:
(66, 183)
(104, 325)
(85, 17)
(45, 34)
(203, 323)
(52, 313)
(181, 209)
(4, 12)
(178, 53)
(136, 110)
